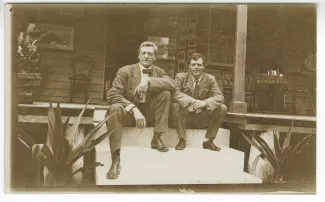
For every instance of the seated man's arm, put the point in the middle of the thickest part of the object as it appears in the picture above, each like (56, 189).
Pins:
(180, 97)
(216, 98)
(162, 82)
(117, 92)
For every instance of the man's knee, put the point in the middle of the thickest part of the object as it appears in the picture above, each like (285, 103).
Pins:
(165, 95)
(223, 108)
(117, 108)
(175, 106)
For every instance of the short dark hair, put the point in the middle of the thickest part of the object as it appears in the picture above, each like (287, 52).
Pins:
(149, 44)
(196, 56)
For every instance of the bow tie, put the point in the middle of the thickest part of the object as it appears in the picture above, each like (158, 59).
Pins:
(147, 71)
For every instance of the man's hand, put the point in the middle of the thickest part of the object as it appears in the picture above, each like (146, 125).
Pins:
(140, 120)
(141, 88)
(199, 104)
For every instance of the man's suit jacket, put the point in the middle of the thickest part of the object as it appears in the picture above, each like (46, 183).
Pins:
(129, 77)
(208, 90)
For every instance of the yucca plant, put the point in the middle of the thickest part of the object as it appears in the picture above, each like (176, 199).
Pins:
(57, 154)
(282, 156)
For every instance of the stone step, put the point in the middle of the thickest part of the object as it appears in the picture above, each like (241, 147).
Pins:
(133, 137)
(141, 165)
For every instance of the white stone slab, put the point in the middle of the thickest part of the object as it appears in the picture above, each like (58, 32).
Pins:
(190, 166)
(132, 136)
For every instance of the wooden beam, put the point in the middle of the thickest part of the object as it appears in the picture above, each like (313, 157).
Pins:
(62, 105)
(261, 127)
(238, 103)
(44, 119)
(275, 116)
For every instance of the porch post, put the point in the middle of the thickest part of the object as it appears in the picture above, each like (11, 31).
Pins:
(238, 103)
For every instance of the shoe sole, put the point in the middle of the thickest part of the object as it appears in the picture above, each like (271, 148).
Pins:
(211, 149)
(155, 147)
(117, 175)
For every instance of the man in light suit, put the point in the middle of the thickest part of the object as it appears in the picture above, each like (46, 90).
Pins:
(198, 99)
(140, 94)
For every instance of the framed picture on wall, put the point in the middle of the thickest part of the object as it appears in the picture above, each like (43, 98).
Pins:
(192, 30)
(166, 47)
(192, 19)
(172, 21)
(181, 67)
(181, 56)
(182, 43)
(183, 33)
(182, 22)
(190, 52)
(56, 37)
(191, 41)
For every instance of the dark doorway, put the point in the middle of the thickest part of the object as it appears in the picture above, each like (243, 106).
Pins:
(125, 32)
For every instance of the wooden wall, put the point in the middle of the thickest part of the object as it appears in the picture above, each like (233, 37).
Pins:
(56, 65)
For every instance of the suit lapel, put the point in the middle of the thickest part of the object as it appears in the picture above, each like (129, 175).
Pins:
(190, 83)
(136, 72)
(202, 84)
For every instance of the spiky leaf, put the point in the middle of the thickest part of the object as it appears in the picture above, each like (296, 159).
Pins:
(74, 129)
(303, 143)
(88, 147)
(65, 126)
(253, 168)
(66, 151)
(268, 152)
(89, 137)
(277, 148)
(82, 169)
(58, 131)
(255, 144)
(286, 154)
(50, 132)
(287, 139)
(46, 162)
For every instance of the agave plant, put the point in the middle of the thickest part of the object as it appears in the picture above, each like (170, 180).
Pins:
(282, 156)
(57, 154)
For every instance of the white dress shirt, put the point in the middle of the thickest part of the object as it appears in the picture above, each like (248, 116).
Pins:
(144, 80)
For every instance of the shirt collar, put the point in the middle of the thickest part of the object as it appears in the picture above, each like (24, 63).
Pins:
(195, 79)
(142, 67)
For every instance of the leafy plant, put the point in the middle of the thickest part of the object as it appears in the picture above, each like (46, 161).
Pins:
(282, 156)
(57, 154)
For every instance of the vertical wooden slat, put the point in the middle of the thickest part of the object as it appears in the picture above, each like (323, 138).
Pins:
(238, 103)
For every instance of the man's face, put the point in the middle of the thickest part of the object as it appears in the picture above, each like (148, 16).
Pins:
(196, 67)
(146, 56)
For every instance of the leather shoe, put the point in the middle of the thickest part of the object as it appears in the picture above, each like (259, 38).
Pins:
(157, 143)
(115, 168)
(210, 145)
(181, 144)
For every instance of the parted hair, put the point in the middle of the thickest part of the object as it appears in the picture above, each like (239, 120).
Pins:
(149, 44)
(196, 56)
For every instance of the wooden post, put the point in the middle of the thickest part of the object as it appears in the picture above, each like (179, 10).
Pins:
(238, 103)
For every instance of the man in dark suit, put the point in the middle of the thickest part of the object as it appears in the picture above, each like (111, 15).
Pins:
(140, 94)
(198, 102)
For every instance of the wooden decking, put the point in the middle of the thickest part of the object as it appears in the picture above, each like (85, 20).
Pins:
(242, 126)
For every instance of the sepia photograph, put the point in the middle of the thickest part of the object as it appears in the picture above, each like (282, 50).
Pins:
(114, 98)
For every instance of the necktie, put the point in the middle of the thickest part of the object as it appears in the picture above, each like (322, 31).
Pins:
(147, 71)
(196, 89)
